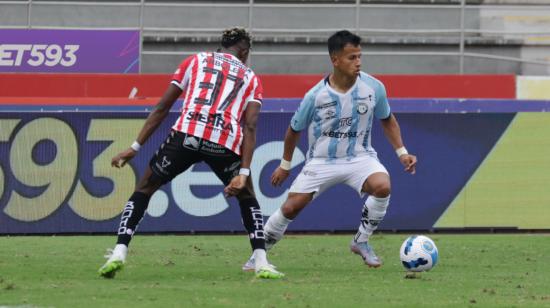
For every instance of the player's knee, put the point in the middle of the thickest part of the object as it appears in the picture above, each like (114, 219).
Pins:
(295, 204)
(382, 190)
(289, 211)
(148, 185)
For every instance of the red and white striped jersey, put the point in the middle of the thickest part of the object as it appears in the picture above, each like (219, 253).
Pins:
(217, 87)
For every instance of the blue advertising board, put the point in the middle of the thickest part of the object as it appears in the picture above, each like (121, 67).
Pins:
(55, 174)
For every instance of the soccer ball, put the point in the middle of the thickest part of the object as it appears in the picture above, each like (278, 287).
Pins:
(418, 253)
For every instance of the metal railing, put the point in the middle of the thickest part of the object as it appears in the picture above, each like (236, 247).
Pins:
(460, 32)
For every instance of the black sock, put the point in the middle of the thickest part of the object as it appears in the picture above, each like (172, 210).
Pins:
(253, 222)
(131, 216)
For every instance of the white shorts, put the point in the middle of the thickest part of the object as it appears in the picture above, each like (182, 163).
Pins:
(320, 177)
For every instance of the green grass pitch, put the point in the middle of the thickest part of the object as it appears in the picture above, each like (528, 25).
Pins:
(489, 270)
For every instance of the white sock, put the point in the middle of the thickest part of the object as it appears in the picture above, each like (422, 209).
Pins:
(120, 252)
(374, 211)
(276, 225)
(260, 258)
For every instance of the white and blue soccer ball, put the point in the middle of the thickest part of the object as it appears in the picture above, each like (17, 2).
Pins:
(418, 253)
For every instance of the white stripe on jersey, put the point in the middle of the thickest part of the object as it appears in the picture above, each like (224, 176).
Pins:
(218, 87)
(339, 124)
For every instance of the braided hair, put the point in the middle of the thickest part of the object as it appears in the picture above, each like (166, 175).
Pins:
(234, 35)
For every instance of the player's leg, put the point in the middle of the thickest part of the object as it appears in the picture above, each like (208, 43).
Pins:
(131, 216)
(226, 165)
(377, 185)
(163, 167)
(252, 218)
(278, 222)
(310, 183)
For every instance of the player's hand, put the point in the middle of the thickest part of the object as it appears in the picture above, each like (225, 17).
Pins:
(235, 186)
(279, 176)
(122, 158)
(409, 161)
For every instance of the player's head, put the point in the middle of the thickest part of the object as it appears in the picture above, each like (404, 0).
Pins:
(344, 49)
(238, 41)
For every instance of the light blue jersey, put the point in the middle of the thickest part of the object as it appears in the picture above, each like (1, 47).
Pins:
(339, 125)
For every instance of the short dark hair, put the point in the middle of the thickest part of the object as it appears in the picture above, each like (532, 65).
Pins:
(233, 36)
(338, 41)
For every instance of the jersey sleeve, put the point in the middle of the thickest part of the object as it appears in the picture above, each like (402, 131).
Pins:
(382, 107)
(182, 74)
(254, 91)
(257, 94)
(304, 114)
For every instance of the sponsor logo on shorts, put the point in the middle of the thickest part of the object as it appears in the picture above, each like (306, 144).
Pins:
(191, 142)
(162, 165)
(213, 148)
(232, 167)
(165, 162)
(309, 173)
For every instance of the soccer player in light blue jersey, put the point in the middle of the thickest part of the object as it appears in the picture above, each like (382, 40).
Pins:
(337, 115)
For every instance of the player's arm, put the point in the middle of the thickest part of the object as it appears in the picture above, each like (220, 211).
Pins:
(281, 173)
(251, 115)
(393, 134)
(300, 120)
(159, 113)
(155, 118)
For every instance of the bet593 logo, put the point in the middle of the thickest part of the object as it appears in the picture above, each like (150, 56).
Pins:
(38, 55)
(43, 178)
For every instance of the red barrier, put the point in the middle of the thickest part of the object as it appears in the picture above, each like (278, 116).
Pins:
(275, 86)
(78, 101)
(82, 85)
(450, 86)
(407, 86)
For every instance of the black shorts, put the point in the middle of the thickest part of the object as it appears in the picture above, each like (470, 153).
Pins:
(180, 151)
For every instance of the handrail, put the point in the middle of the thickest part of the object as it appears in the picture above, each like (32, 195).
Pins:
(462, 43)
(361, 30)
(251, 5)
(280, 5)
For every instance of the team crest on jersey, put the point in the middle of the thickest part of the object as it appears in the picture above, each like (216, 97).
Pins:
(362, 108)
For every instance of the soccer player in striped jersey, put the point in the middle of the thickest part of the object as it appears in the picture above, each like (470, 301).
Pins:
(338, 113)
(219, 92)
